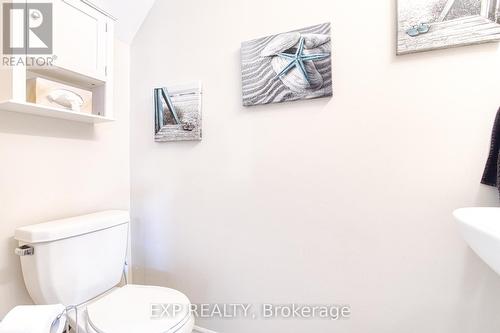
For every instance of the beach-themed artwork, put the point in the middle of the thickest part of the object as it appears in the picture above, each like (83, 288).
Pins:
(286, 67)
(426, 25)
(178, 112)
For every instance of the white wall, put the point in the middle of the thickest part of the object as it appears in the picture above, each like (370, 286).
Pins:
(341, 200)
(129, 15)
(51, 168)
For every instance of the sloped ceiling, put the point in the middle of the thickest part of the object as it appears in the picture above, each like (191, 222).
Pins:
(129, 13)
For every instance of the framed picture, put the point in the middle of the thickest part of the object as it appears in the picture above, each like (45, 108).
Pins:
(426, 25)
(178, 112)
(288, 66)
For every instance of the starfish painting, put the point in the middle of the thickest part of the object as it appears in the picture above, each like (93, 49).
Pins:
(297, 60)
(289, 66)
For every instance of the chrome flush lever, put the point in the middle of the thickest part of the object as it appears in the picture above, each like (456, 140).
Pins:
(24, 250)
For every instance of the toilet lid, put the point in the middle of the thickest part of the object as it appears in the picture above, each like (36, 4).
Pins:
(140, 309)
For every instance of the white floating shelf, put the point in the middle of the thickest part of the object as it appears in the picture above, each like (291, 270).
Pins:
(47, 111)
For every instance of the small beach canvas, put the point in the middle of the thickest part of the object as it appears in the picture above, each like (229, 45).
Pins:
(178, 112)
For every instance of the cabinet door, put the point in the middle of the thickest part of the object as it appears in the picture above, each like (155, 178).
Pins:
(80, 38)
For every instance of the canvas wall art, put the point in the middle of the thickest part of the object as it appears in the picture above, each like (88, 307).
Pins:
(286, 67)
(178, 112)
(426, 25)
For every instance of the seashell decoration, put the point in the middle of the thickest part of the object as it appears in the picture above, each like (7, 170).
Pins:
(280, 43)
(323, 48)
(66, 98)
(314, 40)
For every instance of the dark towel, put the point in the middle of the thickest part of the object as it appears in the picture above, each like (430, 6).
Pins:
(491, 170)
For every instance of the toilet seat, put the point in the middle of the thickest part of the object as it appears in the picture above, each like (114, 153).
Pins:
(135, 309)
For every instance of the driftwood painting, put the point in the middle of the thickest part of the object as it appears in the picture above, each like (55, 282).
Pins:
(288, 66)
(178, 113)
(426, 25)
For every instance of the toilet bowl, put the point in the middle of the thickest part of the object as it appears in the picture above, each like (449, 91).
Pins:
(79, 262)
(134, 309)
(140, 309)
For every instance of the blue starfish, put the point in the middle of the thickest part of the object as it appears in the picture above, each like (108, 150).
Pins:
(297, 60)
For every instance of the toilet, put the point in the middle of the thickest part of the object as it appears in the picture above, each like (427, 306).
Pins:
(80, 262)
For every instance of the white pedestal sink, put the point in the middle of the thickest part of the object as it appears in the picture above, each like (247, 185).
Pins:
(480, 227)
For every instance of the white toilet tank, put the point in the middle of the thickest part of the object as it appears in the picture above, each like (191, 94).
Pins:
(73, 260)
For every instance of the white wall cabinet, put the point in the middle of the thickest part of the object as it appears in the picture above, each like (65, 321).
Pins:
(83, 41)
(80, 38)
